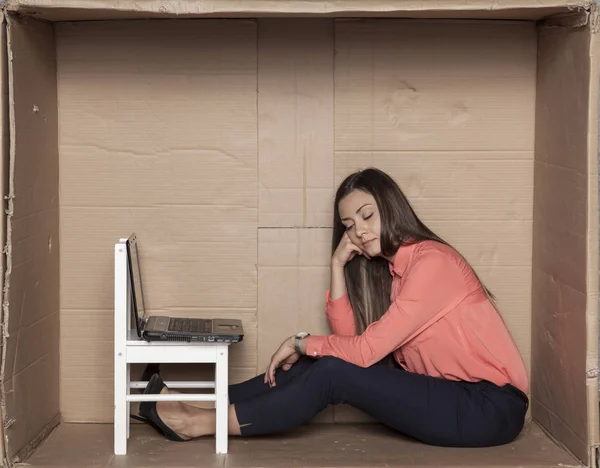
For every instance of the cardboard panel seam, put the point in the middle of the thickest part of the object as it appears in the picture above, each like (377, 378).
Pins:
(468, 151)
(16, 374)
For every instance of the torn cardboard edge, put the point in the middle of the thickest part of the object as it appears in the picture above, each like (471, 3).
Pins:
(4, 149)
(574, 19)
(593, 276)
(6, 81)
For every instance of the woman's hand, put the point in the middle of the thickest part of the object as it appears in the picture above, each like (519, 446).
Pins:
(285, 356)
(346, 251)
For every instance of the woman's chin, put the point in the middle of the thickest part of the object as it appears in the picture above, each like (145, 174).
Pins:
(372, 253)
(373, 250)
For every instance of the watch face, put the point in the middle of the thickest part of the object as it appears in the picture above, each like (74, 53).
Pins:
(302, 335)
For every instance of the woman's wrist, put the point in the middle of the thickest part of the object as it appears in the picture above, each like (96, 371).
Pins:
(299, 344)
(302, 345)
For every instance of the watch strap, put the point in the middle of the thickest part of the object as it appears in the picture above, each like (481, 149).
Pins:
(299, 337)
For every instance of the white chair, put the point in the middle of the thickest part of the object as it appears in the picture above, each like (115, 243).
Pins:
(129, 349)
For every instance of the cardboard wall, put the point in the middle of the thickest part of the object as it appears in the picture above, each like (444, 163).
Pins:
(448, 110)
(30, 367)
(295, 122)
(456, 133)
(162, 132)
(563, 239)
(295, 137)
(157, 136)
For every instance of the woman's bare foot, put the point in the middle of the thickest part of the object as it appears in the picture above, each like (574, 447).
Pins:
(185, 420)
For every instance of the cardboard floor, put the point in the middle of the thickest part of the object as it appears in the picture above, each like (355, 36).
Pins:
(315, 446)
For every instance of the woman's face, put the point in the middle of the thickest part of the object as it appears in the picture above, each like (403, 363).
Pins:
(360, 215)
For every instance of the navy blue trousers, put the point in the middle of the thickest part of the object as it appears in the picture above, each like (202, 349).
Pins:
(432, 410)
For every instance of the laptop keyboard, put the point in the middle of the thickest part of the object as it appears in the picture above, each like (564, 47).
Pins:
(190, 325)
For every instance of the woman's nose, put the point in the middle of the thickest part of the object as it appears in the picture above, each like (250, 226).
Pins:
(360, 229)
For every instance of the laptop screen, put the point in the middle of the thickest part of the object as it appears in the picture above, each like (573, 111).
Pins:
(135, 279)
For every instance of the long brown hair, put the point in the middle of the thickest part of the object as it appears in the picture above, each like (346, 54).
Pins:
(369, 282)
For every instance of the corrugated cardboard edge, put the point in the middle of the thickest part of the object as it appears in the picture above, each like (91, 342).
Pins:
(4, 152)
(285, 6)
(592, 325)
(70, 10)
(593, 273)
(7, 250)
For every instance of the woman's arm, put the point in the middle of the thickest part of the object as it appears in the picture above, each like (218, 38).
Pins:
(337, 305)
(338, 282)
(338, 308)
(433, 286)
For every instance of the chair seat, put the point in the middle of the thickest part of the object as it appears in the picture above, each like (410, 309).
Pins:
(142, 351)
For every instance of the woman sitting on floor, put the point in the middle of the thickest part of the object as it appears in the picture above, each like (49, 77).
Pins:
(417, 342)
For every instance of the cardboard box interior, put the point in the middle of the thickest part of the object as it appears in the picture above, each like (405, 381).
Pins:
(220, 143)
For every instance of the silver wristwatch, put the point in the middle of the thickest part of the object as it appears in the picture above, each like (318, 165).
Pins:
(299, 336)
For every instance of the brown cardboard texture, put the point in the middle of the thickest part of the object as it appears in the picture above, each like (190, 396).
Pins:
(221, 141)
(31, 298)
(328, 445)
(166, 183)
(295, 79)
(561, 288)
(73, 10)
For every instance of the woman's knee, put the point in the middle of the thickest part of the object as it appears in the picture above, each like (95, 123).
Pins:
(330, 372)
(332, 378)
(330, 365)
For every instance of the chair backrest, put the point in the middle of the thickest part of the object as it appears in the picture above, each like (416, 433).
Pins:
(122, 293)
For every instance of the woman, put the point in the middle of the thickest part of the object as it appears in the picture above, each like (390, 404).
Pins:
(417, 342)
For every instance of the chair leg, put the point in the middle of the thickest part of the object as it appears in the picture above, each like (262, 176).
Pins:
(222, 397)
(121, 416)
(122, 309)
(128, 410)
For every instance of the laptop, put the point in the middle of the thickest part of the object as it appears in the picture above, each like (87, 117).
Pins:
(161, 328)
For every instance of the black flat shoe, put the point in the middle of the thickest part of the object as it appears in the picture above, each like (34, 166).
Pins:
(148, 413)
(149, 371)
